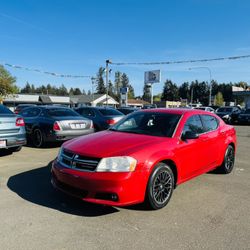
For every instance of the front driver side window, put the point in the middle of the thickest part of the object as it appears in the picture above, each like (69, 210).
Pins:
(193, 124)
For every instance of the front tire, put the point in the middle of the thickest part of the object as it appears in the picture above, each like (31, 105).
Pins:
(228, 162)
(160, 186)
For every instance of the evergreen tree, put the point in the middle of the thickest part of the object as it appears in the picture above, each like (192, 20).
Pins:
(100, 81)
(118, 82)
(170, 91)
(27, 89)
(146, 93)
(184, 91)
(77, 91)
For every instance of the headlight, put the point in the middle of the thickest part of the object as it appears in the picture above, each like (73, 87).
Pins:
(59, 156)
(226, 116)
(117, 164)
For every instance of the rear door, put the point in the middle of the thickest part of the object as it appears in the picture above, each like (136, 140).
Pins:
(211, 139)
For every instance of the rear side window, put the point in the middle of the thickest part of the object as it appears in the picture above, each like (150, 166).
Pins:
(30, 112)
(224, 110)
(194, 125)
(87, 112)
(4, 110)
(210, 122)
(60, 112)
(107, 112)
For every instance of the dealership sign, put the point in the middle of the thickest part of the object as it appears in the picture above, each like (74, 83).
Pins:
(152, 76)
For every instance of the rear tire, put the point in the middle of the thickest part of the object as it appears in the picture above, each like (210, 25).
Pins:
(160, 186)
(37, 138)
(15, 149)
(228, 162)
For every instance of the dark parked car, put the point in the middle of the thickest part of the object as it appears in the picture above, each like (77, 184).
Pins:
(127, 110)
(102, 118)
(229, 114)
(244, 117)
(21, 107)
(49, 123)
(12, 130)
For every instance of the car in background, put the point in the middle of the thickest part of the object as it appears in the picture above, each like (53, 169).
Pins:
(244, 117)
(144, 157)
(229, 114)
(102, 117)
(46, 124)
(127, 110)
(20, 107)
(12, 130)
(209, 109)
(149, 106)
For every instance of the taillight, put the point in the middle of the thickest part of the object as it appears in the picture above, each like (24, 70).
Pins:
(91, 125)
(20, 122)
(56, 127)
(111, 122)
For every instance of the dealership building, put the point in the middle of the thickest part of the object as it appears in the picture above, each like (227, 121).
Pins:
(245, 94)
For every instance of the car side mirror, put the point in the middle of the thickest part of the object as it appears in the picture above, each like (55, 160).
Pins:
(189, 135)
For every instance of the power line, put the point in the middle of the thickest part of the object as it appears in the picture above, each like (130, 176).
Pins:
(44, 72)
(182, 61)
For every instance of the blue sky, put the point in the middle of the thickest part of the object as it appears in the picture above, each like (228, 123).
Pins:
(76, 37)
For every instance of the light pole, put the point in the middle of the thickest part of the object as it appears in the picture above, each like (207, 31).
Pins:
(107, 80)
(210, 81)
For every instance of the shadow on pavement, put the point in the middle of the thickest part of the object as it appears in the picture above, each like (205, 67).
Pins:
(5, 152)
(34, 186)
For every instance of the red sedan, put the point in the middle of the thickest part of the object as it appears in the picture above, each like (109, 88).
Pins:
(144, 157)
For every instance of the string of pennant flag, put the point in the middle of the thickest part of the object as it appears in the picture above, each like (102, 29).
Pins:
(182, 61)
(126, 63)
(44, 72)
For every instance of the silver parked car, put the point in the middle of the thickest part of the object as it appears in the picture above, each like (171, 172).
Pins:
(12, 130)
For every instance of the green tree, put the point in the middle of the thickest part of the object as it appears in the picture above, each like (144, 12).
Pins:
(118, 82)
(219, 99)
(184, 92)
(27, 89)
(146, 93)
(170, 91)
(7, 83)
(125, 83)
(77, 91)
(101, 89)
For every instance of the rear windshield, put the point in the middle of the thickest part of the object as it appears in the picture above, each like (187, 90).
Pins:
(60, 112)
(225, 110)
(108, 112)
(4, 110)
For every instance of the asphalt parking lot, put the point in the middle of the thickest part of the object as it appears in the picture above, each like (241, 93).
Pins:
(209, 212)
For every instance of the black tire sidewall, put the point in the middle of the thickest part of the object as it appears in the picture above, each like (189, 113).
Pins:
(223, 167)
(160, 167)
(41, 142)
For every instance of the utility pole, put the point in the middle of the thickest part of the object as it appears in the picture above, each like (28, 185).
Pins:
(93, 82)
(107, 80)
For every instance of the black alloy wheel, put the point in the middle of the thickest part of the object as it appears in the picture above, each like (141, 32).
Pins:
(37, 138)
(160, 186)
(229, 159)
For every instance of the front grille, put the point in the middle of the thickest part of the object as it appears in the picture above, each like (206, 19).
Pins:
(78, 162)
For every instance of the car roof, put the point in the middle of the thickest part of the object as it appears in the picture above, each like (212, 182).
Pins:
(179, 111)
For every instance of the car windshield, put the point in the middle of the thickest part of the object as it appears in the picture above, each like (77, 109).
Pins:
(108, 112)
(247, 111)
(149, 123)
(59, 112)
(225, 110)
(4, 110)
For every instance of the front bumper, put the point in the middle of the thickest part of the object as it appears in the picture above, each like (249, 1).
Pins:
(113, 189)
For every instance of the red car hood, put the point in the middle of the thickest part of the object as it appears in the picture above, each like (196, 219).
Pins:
(109, 143)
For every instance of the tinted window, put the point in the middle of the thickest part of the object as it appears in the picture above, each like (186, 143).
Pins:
(30, 112)
(107, 112)
(4, 110)
(154, 124)
(222, 110)
(194, 124)
(247, 111)
(210, 122)
(59, 112)
(87, 112)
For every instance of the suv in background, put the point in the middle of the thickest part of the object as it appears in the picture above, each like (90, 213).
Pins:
(12, 130)
(229, 114)
(102, 117)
